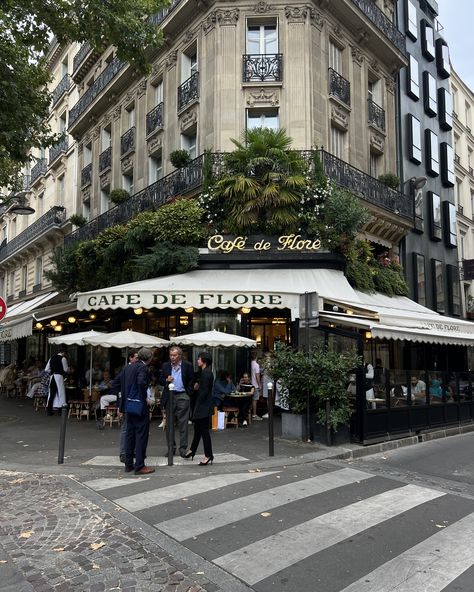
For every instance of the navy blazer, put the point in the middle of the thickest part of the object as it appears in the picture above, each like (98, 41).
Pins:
(187, 376)
(136, 373)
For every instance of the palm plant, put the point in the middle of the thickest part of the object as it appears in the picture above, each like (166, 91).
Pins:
(263, 182)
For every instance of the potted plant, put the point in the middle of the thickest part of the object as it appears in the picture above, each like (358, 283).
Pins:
(390, 180)
(118, 196)
(180, 158)
(78, 220)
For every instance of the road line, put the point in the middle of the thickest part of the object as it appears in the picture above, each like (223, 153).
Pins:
(161, 461)
(201, 521)
(263, 558)
(105, 483)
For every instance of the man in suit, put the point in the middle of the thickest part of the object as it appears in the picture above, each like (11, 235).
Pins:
(181, 374)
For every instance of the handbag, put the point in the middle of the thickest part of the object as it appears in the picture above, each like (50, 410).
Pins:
(133, 404)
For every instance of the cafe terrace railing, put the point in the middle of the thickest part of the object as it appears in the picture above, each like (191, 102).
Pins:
(54, 218)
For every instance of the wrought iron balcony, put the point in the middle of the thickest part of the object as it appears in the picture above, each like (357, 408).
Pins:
(160, 16)
(56, 151)
(39, 169)
(54, 218)
(80, 56)
(339, 87)
(91, 93)
(105, 159)
(127, 141)
(60, 89)
(25, 182)
(382, 22)
(263, 67)
(376, 114)
(188, 91)
(86, 175)
(154, 119)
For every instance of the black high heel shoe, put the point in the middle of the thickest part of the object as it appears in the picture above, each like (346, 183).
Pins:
(207, 462)
(189, 455)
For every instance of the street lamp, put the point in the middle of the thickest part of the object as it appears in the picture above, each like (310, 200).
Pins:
(18, 201)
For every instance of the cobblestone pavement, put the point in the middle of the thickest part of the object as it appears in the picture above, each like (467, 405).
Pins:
(54, 539)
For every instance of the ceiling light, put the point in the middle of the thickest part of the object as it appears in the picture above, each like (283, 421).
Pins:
(39, 325)
(92, 316)
(245, 310)
(189, 310)
(53, 323)
(58, 328)
(368, 335)
(138, 311)
(71, 320)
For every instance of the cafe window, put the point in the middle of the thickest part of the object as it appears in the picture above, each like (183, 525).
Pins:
(418, 198)
(434, 201)
(454, 290)
(430, 98)
(413, 79)
(449, 219)
(439, 298)
(427, 40)
(431, 153)
(414, 139)
(445, 109)
(442, 59)
(411, 24)
(447, 164)
(419, 277)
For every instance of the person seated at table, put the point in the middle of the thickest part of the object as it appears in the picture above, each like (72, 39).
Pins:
(223, 386)
(96, 374)
(245, 386)
(106, 398)
(436, 389)
(418, 390)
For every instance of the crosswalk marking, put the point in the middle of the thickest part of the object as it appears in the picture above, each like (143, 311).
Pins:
(162, 461)
(201, 521)
(106, 483)
(282, 550)
(164, 495)
(429, 566)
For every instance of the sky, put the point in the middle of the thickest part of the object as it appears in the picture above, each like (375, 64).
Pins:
(457, 18)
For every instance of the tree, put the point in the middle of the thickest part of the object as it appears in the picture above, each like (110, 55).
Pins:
(26, 29)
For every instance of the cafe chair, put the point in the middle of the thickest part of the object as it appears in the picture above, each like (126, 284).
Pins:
(111, 415)
(231, 416)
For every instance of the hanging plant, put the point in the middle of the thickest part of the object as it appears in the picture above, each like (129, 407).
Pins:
(118, 196)
(180, 158)
(78, 220)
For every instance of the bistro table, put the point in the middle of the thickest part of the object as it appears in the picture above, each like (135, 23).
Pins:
(239, 395)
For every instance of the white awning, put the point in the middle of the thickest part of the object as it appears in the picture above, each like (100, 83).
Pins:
(21, 327)
(21, 308)
(223, 288)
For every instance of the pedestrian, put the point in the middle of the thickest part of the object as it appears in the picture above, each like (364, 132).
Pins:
(58, 367)
(203, 409)
(134, 384)
(256, 379)
(181, 374)
(116, 384)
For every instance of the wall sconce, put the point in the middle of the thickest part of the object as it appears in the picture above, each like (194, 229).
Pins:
(138, 311)
(245, 310)
(53, 323)
(58, 328)
(368, 335)
(183, 320)
(71, 320)
(92, 316)
(349, 312)
(189, 310)
(39, 326)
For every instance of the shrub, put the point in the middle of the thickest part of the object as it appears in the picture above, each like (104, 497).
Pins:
(78, 220)
(118, 196)
(180, 158)
(390, 180)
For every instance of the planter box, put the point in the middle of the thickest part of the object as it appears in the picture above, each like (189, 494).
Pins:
(342, 436)
(293, 426)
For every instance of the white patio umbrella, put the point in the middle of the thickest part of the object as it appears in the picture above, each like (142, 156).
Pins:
(126, 339)
(214, 339)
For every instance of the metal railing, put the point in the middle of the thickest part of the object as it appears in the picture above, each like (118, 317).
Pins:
(376, 114)
(339, 87)
(56, 151)
(54, 218)
(262, 67)
(127, 141)
(81, 55)
(25, 182)
(60, 89)
(86, 175)
(154, 119)
(105, 159)
(383, 23)
(39, 169)
(188, 91)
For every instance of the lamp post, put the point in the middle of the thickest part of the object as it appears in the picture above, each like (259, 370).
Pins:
(270, 401)
(17, 203)
(170, 423)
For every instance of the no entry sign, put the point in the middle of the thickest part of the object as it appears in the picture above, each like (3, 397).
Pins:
(3, 308)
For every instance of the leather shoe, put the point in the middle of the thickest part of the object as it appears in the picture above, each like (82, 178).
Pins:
(128, 469)
(122, 458)
(144, 471)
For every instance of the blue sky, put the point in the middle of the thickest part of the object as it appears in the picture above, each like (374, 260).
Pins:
(457, 18)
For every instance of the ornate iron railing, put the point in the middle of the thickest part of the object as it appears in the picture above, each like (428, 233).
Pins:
(91, 93)
(105, 159)
(56, 151)
(262, 67)
(127, 141)
(86, 175)
(60, 89)
(339, 87)
(54, 218)
(160, 16)
(25, 182)
(81, 55)
(154, 119)
(188, 91)
(382, 22)
(39, 169)
(376, 114)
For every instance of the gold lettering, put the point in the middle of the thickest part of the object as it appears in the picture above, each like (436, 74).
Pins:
(262, 245)
(294, 242)
(218, 243)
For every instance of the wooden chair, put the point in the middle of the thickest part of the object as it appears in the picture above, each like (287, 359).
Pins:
(231, 416)
(111, 415)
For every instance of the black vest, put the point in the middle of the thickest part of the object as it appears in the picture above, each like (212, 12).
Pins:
(56, 364)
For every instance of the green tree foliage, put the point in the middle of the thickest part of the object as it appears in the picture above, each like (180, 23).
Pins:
(26, 28)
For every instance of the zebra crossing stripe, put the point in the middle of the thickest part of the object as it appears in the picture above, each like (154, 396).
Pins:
(201, 521)
(164, 495)
(110, 483)
(429, 566)
(286, 548)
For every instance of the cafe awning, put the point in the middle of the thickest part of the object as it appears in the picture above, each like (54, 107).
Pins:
(222, 288)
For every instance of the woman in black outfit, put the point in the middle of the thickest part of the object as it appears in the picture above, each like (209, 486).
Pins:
(203, 409)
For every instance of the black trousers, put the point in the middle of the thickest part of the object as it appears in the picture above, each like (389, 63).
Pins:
(201, 430)
(136, 440)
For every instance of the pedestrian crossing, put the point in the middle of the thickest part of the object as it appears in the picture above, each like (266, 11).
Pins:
(323, 530)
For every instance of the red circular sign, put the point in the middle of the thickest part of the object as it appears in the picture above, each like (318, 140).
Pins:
(3, 308)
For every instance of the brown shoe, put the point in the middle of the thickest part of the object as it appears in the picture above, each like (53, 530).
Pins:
(128, 469)
(144, 471)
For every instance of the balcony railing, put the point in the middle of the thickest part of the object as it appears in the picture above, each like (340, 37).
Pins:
(127, 141)
(56, 151)
(39, 169)
(262, 67)
(86, 175)
(80, 56)
(154, 119)
(188, 91)
(54, 218)
(61, 89)
(339, 87)
(91, 93)
(376, 114)
(25, 182)
(382, 22)
(105, 159)
(457, 159)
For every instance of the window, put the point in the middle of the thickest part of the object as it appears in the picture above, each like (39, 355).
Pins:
(106, 138)
(130, 117)
(86, 210)
(104, 201)
(38, 270)
(127, 183)
(158, 93)
(447, 164)
(411, 25)
(468, 116)
(155, 168)
(449, 218)
(427, 41)
(430, 94)
(435, 215)
(438, 285)
(374, 165)
(61, 191)
(414, 139)
(335, 57)
(24, 277)
(189, 64)
(458, 192)
(188, 142)
(337, 142)
(442, 59)
(64, 67)
(472, 204)
(263, 118)
(40, 204)
(87, 154)
(431, 153)
(413, 79)
(262, 38)
(445, 105)
(11, 283)
(374, 91)
(419, 278)
(62, 124)
(4, 234)
(454, 290)
(419, 223)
